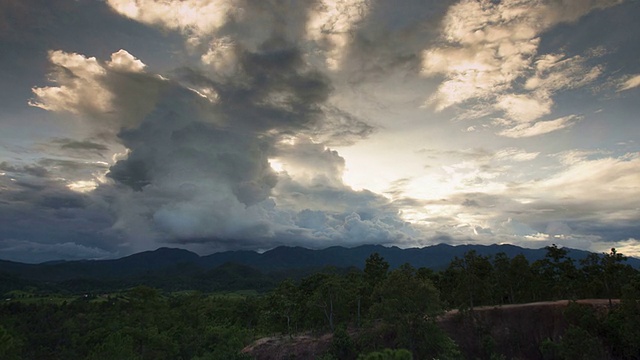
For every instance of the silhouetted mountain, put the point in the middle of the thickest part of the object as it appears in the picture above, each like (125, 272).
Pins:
(436, 257)
(179, 268)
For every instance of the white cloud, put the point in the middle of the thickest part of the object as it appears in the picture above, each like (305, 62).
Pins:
(572, 157)
(123, 61)
(555, 72)
(489, 46)
(80, 88)
(514, 154)
(628, 247)
(333, 21)
(629, 83)
(540, 127)
(195, 18)
(221, 56)
(105, 96)
(523, 108)
(610, 180)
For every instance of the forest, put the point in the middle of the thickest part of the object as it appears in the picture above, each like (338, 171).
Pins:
(378, 312)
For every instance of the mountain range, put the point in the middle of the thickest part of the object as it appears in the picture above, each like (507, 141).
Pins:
(172, 262)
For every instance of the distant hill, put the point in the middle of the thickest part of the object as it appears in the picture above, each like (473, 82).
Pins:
(172, 264)
(436, 257)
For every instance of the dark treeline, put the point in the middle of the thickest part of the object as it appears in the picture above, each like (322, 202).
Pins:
(367, 311)
(475, 280)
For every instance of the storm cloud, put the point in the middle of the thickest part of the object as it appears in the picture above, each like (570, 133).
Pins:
(216, 125)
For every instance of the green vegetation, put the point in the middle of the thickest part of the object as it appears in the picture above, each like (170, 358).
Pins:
(376, 313)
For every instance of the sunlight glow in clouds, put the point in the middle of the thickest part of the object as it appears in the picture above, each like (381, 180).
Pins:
(334, 21)
(252, 124)
(80, 89)
(193, 17)
(630, 83)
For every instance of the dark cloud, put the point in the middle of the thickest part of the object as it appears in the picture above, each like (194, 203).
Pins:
(391, 38)
(470, 203)
(49, 222)
(31, 170)
(236, 148)
(85, 145)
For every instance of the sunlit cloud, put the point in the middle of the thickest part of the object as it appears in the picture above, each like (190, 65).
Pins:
(83, 186)
(333, 22)
(522, 108)
(80, 86)
(540, 127)
(630, 83)
(489, 47)
(123, 61)
(193, 17)
(252, 124)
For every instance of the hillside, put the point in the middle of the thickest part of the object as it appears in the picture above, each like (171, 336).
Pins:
(517, 331)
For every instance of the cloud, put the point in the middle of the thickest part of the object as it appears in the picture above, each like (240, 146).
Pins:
(334, 22)
(70, 144)
(514, 154)
(35, 252)
(193, 17)
(628, 247)
(43, 219)
(242, 145)
(587, 200)
(629, 83)
(608, 179)
(540, 127)
(556, 72)
(579, 198)
(488, 49)
(80, 89)
(200, 142)
(522, 108)
(107, 96)
(123, 61)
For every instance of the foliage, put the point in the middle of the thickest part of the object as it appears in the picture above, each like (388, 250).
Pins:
(144, 324)
(380, 308)
(342, 346)
(9, 346)
(387, 354)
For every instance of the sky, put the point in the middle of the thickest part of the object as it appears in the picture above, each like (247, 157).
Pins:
(214, 125)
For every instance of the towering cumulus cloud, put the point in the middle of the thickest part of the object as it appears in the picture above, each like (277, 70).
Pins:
(231, 152)
(246, 124)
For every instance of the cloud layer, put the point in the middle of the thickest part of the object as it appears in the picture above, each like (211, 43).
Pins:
(235, 135)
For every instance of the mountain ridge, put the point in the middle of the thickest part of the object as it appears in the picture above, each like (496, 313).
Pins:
(283, 258)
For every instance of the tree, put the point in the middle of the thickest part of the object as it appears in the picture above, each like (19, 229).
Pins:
(359, 294)
(520, 279)
(592, 276)
(409, 305)
(623, 323)
(612, 270)
(9, 346)
(330, 296)
(472, 278)
(503, 287)
(558, 273)
(375, 269)
(282, 303)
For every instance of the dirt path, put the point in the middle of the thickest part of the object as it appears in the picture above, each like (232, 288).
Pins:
(593, 302)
